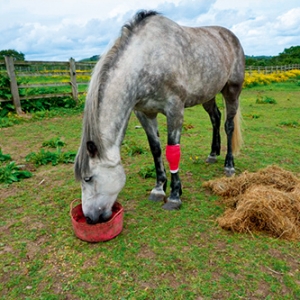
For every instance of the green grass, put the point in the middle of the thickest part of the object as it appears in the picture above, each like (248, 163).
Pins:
(159, 254)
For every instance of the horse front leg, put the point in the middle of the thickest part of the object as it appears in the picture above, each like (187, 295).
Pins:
(149, 123)
(174, 202)
(173, 153)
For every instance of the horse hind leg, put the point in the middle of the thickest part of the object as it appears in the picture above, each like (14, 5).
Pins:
(149, 124)
(215, 118)
(231, 94)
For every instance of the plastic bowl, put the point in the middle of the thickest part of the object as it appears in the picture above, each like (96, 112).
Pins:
(99, 232)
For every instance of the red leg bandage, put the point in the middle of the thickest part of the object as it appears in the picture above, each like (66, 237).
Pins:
(173, 157)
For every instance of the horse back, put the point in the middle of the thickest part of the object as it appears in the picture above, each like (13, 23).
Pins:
(167, 59)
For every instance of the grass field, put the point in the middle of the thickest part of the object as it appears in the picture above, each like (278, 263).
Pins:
(159, 255)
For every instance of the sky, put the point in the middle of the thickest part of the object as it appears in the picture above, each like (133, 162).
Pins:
(56, 30)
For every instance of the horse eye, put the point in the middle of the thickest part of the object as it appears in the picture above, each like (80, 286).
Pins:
(87, 179)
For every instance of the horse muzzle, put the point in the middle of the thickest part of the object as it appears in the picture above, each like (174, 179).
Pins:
(98, 218)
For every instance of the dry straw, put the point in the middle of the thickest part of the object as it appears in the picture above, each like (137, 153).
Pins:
(268, 200)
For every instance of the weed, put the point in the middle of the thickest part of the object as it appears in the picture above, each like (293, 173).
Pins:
(4, 87)
(187, 126)
(6, 108)
(68, 157)
(133, 149)
(12, 173)
(4, 157)
(265, 100)
(42, 104)
(292, 124)
(252, 116)
(196, 159)
(44, 157)
(54, 143)
(147, 171)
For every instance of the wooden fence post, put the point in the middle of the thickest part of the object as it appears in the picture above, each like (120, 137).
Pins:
(9, 61)
(73, 79)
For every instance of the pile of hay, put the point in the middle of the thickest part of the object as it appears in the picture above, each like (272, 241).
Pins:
(268, 201)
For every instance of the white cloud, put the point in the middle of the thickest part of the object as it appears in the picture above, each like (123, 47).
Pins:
(289, 22)
(264, 36)
(185, 10)
(59, 29)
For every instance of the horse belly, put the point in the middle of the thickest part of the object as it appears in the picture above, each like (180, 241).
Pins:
(204, 91)
(151, 105)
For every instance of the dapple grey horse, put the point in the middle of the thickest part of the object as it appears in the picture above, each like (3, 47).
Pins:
(155, 66)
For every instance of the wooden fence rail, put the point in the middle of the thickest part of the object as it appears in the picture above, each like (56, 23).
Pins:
(271, 69)
(18, 69)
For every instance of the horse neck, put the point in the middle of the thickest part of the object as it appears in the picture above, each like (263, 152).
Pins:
(114, 113)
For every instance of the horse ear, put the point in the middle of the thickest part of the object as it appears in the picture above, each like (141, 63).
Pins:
(91, 148)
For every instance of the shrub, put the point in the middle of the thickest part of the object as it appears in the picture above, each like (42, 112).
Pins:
(47, 104)
(4, 87)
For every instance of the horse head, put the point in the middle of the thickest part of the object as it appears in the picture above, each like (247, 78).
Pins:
(101, 181)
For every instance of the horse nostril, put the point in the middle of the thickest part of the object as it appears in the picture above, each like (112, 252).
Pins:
(89, 220)
(105, 216)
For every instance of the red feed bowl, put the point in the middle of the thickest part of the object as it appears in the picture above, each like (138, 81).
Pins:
(99, 232)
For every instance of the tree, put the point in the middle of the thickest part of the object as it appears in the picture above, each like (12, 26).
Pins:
(93, 58)
(288, 56)
(17, 55)
(258, 60)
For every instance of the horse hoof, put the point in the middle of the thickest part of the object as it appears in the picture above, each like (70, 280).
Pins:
(172, 205)
(229, 171)
(157, 195)
(211, 159)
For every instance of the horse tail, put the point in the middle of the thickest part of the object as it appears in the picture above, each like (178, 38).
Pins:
(237, 138)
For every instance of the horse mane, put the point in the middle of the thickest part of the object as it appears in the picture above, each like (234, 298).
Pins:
(111, 57)
(96, 89)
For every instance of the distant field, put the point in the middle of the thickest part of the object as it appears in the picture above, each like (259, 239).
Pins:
(159, 255)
